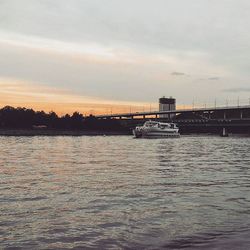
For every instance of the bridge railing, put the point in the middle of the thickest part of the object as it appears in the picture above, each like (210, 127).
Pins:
(196, 105)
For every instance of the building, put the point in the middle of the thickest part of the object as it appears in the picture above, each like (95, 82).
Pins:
(167, 104)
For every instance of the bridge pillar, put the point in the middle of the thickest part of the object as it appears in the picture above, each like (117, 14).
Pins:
(144, 117)
(225, 116)
(241, 114)
(224, 132)
(156, 116)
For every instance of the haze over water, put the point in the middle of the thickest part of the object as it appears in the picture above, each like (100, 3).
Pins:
(117, 192)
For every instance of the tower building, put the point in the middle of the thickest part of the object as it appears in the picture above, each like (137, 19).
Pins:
(167, 104)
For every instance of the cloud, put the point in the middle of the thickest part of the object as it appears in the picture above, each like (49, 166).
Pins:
(213, 78)
(178, 73)
(237, 90)
(121, 76)
(105, 50)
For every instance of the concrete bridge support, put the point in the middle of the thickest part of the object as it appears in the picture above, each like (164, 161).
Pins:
(224, 132)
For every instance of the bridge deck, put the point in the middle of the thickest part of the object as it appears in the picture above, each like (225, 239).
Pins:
(179, 111)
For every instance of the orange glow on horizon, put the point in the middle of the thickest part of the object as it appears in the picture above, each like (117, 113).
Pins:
(39, 97)
(18, 93)
(83, 108)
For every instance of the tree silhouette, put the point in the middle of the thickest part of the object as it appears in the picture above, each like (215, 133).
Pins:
(23, 118)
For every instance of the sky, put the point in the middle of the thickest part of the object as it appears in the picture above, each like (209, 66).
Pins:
(102, 56)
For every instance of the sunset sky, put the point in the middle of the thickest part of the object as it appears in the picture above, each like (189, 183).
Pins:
(102, 56)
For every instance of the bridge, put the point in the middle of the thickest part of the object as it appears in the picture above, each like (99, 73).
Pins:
(222, 120)
(241, 110)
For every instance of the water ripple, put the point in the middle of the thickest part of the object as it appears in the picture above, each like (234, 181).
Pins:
(121, 193)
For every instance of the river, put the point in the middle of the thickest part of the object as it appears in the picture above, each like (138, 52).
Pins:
(116, 192)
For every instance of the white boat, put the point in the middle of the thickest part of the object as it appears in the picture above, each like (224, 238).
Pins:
(153, 129)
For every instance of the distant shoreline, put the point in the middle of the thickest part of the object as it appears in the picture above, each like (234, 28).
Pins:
(57, 132)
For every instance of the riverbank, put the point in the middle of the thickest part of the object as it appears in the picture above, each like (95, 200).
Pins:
(56, 132)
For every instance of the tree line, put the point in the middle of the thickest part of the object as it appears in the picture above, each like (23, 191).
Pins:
(23, 118)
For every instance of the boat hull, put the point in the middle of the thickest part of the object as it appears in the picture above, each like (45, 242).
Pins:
(161, 135)
(144, 134)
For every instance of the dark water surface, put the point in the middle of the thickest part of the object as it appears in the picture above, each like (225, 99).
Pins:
(121, 193)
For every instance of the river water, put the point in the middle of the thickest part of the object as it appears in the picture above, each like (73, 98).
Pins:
(117, 192)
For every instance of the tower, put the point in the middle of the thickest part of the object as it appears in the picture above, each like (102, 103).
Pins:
(167, 104)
